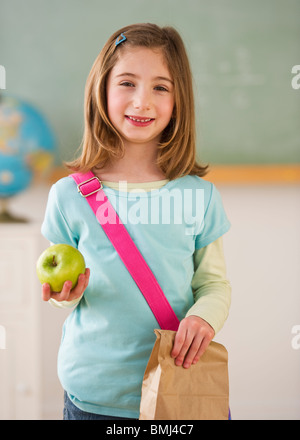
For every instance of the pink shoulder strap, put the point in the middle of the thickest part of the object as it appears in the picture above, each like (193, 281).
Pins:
(88, 186)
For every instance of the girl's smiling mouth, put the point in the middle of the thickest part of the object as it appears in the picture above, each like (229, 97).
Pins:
(139, 121)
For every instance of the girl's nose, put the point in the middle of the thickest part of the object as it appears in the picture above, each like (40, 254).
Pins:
(142, 100)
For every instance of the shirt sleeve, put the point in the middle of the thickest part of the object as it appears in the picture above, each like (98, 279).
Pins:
(212, 290)
(56, 229)
(65, 304)
(215, 222)
(55, 226)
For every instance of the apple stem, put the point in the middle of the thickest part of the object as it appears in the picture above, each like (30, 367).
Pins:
(53, 261)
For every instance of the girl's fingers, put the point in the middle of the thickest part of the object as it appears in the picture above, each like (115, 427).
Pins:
(191, 340)
(183, 340)
(204, 344)
(66, 293)
(193, 351)
(46, 292)
(179, 341)
(87, 278)
(81, 285)
(58, 296)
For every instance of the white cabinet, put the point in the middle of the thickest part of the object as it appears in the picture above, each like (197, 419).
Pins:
(20, 320)
(30, 329)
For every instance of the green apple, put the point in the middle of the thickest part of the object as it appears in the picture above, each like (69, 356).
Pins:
(60, 263)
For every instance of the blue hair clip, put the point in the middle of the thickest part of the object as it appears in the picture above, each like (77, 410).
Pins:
(120, 39)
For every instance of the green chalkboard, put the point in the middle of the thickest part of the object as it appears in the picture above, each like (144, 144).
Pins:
(242, 54)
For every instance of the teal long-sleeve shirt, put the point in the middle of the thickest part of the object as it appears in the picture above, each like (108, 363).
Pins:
(211, 288)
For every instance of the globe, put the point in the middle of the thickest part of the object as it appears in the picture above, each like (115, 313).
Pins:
(27, 145)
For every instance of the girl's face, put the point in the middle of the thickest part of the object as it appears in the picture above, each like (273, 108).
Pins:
(140, 96)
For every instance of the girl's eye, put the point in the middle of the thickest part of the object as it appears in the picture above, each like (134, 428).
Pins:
(127, 84)
(161, 88)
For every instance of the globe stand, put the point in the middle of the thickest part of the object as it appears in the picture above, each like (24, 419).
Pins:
(6, 216)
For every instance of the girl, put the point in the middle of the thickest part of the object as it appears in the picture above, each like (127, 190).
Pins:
(139, 140)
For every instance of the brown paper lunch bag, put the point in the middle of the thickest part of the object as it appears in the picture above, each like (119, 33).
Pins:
(171, 392)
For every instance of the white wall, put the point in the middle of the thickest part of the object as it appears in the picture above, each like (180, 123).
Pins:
(263, 261)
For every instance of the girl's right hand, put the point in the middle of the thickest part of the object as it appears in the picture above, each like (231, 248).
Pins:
(67, 294)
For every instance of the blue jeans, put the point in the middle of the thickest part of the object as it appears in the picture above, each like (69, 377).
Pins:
(71, 412)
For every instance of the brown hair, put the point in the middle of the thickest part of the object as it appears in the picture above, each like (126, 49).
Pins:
(102, 143)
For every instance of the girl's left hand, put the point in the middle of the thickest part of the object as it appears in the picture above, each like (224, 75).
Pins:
(192, 339)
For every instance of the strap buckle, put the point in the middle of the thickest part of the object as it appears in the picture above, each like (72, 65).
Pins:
(93, 190)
